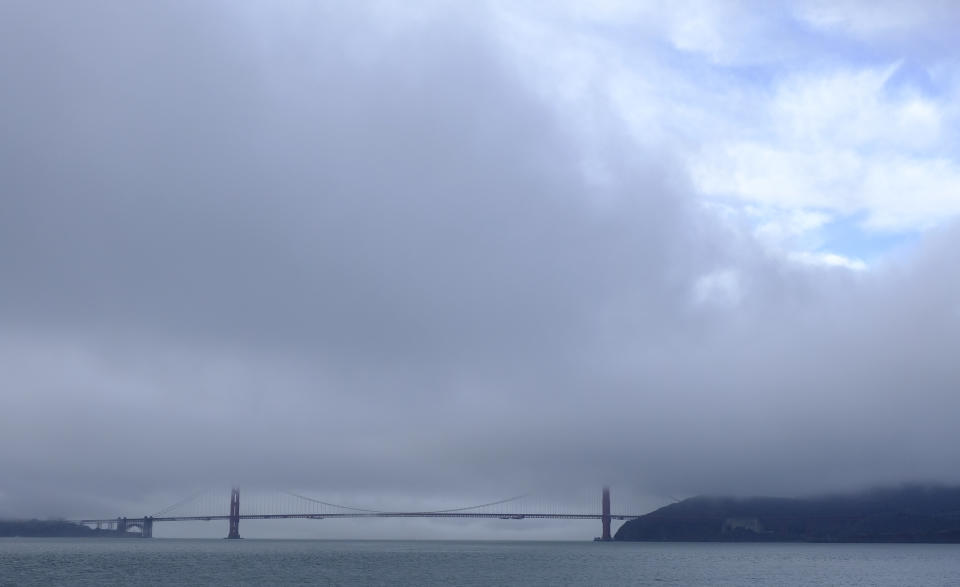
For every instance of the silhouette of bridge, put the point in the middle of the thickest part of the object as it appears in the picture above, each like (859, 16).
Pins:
(315, 509)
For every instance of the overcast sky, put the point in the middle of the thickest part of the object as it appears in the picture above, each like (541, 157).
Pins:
(446, 253)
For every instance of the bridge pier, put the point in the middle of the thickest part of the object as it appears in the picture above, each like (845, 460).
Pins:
(605, 516)
(122, 526)
(234, 513)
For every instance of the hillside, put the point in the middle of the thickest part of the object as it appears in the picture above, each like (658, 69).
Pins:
(48, 528)
(905, 514)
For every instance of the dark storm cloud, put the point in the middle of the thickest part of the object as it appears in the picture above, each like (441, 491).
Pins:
(318, 248)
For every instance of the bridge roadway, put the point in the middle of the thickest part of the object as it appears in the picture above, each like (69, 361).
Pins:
(366, 515)
(145, 524)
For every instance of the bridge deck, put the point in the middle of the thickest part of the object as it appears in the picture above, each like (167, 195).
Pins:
(500, 516)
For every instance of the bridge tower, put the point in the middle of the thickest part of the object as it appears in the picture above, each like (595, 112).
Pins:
(146, 530)
(234, 513)
(605, 516)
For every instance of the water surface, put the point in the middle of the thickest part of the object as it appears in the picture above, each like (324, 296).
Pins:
(66, 561)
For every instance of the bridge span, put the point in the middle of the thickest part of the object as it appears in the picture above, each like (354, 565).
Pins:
(144, 525)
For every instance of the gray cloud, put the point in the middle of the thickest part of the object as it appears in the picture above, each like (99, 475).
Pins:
(306, 252)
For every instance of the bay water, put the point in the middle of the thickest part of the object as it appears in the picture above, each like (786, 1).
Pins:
(66, 561)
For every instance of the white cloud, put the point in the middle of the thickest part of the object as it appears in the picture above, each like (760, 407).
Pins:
(721, 32)
(834, 138)
(874, 18)
(784, 229)
(850, 108)
(842, 143)
(720, 287)
(829, 260)
(910, 193)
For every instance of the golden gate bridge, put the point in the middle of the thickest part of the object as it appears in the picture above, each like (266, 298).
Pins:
(297, 506)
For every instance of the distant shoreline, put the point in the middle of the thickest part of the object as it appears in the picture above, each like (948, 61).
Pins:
(35, 528)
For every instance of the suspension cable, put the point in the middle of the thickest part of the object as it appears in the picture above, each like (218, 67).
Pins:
(473, 507)
(345, 507)
(451, 510)
(192, 497)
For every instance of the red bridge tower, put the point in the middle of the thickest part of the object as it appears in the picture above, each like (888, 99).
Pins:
(234, 513)
(605, 516)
